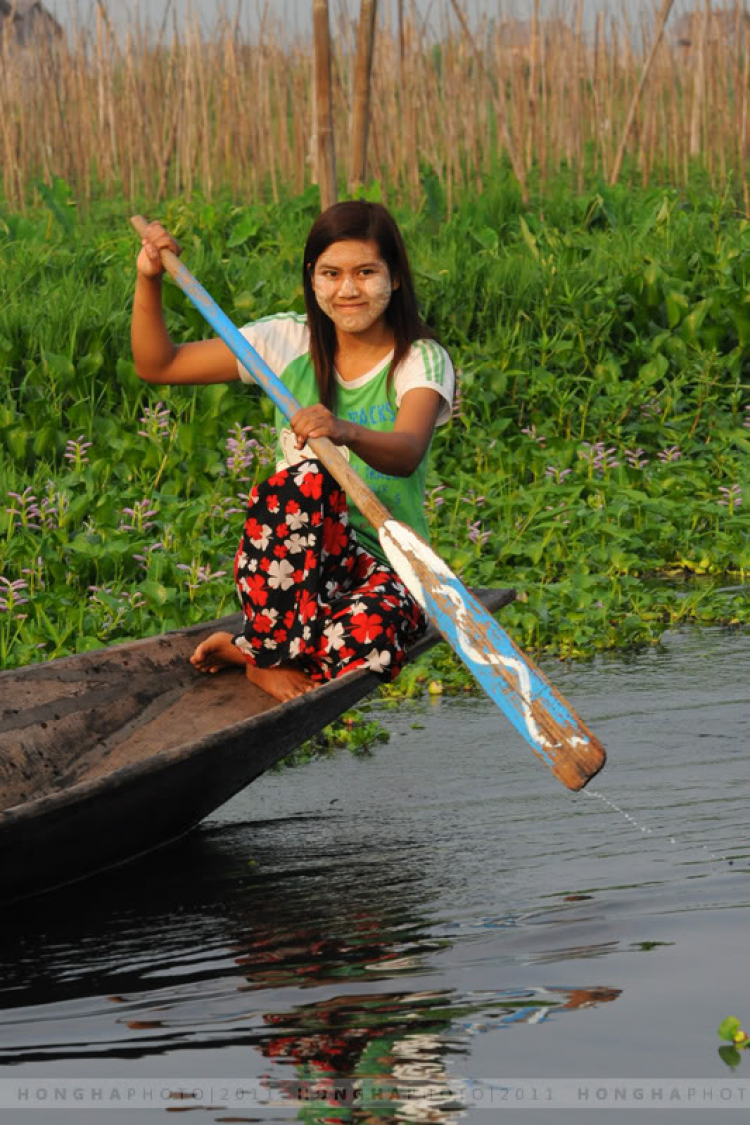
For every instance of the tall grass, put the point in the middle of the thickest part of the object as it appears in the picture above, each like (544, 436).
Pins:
(166, 111)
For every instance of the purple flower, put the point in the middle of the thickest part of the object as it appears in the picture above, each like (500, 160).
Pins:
(598, 457)
(651, 409)
(199, 575)
(140, 515)
(530, 431)
(55, 506)
(434, 498)
(10, 596)
(24, 511)
(731, 497)
(76, 451)
(635, 457)
(241, 450)
(476, 535)
(155, 419)
(145, 559)
(557, 475)
(673, 453)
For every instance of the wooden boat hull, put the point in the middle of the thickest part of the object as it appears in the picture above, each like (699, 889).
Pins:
(110, 754)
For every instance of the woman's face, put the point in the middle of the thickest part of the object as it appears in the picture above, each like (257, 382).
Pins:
(353, 285)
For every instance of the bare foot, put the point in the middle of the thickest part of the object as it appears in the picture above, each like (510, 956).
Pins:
(217, 652)
(282, 682)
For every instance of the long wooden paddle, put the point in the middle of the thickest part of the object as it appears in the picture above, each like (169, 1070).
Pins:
(512, 681)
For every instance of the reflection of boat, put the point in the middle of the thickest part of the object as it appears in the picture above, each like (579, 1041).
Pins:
(108, 754)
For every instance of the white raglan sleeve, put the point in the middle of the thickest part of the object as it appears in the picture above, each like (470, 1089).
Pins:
(427, 365)
(278, 340)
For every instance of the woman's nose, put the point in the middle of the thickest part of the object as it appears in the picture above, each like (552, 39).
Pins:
(348, 287)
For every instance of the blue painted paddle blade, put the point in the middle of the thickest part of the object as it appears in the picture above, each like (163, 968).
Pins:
(520, 689)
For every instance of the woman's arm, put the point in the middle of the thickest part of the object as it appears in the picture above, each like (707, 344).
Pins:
(397, 453)
(157, 358)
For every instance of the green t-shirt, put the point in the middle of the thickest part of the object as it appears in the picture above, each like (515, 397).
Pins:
(283, 342)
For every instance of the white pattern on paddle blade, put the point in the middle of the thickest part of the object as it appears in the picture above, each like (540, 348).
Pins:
(396, 540)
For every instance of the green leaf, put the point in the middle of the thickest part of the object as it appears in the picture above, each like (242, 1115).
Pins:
(247, 227)
(156, 594)
(729, 1027)
(731, 1056)
(528, 237)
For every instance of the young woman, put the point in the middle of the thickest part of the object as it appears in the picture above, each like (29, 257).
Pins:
(318, 595)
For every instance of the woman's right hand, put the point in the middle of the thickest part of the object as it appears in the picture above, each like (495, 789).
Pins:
(149, 259)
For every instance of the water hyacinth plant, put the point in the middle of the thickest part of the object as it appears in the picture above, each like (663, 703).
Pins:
(597, 463)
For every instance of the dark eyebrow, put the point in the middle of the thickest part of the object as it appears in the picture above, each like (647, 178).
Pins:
(360, 265)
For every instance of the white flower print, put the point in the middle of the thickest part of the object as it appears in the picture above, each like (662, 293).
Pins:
(269, 642)
(294, 647)
(358, 607)
(280, 574)
(263, 538)
(243, 645)
(302, 470)
(378, 661)
(296, 520)
(335, 634)
(296, 543)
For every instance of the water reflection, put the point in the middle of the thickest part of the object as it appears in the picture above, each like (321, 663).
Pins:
(359, 1053)
(190, 953)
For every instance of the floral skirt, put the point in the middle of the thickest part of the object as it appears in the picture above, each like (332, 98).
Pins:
(309, 592)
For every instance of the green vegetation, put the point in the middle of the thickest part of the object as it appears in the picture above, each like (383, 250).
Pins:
(598, 460)
(731, 1030)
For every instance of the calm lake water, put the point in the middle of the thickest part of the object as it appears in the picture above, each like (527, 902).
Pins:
(434, 919)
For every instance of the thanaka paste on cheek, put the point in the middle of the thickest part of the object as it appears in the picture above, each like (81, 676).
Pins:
(376, 291)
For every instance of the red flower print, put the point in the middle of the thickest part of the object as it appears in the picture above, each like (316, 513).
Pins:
(278, 480)
(366, 627)
(282, 530)
(315, 519)
(334, 536)
(280, 551)
(256, 589)
(289, 618)
(307, 606)
(337, 500)
(312, 485)
(297, 576)
(263, 623)
(291, 508)
(272, 502)
(311, 561)
(280, 635)
(264, 563)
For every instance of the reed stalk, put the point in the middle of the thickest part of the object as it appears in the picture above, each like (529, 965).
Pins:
(154, 113)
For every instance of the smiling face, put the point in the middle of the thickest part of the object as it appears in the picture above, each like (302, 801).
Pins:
(353, 285)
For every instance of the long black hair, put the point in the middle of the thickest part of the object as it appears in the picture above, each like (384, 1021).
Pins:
(358, 220)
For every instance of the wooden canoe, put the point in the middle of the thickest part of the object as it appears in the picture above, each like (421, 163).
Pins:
(109, 754)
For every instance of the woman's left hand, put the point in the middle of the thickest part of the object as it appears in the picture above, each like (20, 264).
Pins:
(317, 421)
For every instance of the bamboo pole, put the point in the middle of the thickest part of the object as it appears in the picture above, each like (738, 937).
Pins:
(326, 156)
(362, 80)
(666, 8)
